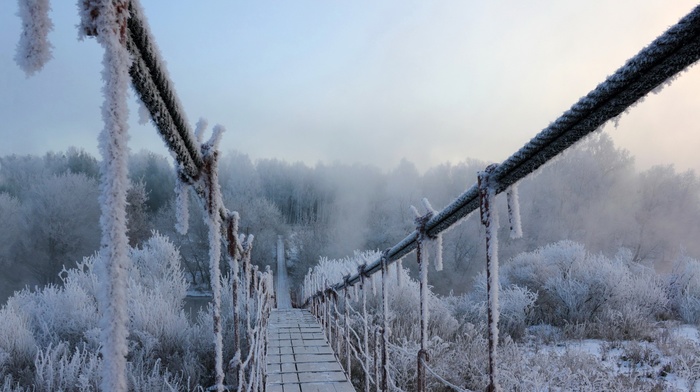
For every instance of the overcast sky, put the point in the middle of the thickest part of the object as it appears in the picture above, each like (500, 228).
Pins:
(363, 81)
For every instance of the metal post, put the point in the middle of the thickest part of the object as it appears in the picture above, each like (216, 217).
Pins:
(232, 249)
(486, 195)
(364, 328)
(348, 353)
(423, 267)
(376, 359)
(338, 336)
(385, 320)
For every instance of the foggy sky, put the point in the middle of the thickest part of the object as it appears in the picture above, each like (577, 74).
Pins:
(363, 81)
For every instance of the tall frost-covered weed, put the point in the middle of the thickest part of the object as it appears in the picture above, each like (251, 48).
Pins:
(684, 288)
(17, 343)
(58, 368)
(49, 338)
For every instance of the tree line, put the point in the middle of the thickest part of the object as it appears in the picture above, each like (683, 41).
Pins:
(592, 194)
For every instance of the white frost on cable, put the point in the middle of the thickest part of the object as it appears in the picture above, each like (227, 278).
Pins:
(34, 48)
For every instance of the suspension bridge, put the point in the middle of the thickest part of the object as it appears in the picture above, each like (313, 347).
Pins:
(314, 348)
(299, 357)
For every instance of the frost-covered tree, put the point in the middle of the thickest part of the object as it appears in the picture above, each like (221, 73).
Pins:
(140, 227)
(156, 173)
(666, 215)
(62, 217)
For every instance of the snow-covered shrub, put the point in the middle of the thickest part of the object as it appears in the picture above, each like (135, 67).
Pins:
(156, 267)
(684, 289)
(404, 305)
(49, 338)
(614, 298)
(158, 323)
(516, 303)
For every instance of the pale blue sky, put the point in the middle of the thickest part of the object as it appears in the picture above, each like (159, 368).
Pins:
(364, 81)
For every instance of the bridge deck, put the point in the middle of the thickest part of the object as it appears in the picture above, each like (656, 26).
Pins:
(299, 358)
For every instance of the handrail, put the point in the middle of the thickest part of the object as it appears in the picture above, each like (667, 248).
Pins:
(654, 66)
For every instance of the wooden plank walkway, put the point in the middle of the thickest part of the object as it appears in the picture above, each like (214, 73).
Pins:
(299, 358)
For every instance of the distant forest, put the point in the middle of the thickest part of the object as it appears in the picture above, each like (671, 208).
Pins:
(592, 194)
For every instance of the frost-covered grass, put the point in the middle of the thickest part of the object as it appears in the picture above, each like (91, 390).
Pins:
(669, 362)
(50, 338)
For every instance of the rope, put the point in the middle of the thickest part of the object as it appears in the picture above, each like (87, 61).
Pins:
(666, 57)
(442, 380)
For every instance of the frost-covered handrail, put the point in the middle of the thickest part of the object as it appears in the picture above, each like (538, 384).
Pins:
(150, 80)
(652, 68)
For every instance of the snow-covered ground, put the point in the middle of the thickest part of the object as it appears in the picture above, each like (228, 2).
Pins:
(671, 362)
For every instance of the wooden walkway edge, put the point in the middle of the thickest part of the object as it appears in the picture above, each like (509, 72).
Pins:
(299, 358)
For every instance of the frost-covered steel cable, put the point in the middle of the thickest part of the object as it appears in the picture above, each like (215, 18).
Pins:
(153, 86)
(652, 68)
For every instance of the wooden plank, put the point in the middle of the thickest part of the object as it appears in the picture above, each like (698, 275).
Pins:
(299, 357)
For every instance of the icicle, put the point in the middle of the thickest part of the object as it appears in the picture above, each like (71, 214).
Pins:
(199, 129)
(216, 136)
(144, 114)
(34, 48)
(415, 211)
(399, 272)
(437, 244)
(182, 211)
(427, 206)
(516, 229)
(373, 284)
(235, 219)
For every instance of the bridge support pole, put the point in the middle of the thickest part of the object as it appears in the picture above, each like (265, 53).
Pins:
(348, 353)
(365, 328)
(490, 221)
(422, 356)
(385, 321)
